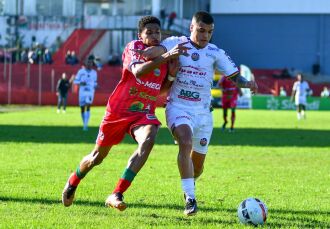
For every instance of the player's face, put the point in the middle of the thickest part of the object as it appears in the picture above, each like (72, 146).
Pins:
(201, 33)
(299, 77)
(150, 34)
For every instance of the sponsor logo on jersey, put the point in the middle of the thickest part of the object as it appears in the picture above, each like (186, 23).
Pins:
(194, 83)
(136, 106)
(144, 95)
(189, 95)
(195, 56)
(184, 82)
(203, 142)
(192, 72)
(148, 84)
(133, 91)
(151, 116)
(231, 61)
(212, 49)
(157, 72)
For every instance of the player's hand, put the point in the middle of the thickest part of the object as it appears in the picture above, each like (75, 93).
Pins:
(57, 94)
(178, 50)
(173, 67)
(253, 86)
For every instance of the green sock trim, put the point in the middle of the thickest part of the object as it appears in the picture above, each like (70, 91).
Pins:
(128, 175)
(79, 174)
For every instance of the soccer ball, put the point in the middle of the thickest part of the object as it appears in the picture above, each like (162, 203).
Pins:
(252, 211)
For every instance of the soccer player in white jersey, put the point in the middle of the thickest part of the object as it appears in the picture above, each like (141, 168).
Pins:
(86, 78)
(300, 91)
(188, 112)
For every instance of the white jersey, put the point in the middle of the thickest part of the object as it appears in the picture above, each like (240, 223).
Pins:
(192, 87)
(87, 80)
(301, 89)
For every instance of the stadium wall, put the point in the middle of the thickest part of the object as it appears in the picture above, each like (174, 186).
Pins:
(275, 41)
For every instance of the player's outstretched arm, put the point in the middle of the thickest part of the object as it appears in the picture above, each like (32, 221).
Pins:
(241, 82)
(140, 69)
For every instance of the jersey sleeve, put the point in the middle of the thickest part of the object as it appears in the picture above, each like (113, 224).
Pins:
(170, 42)
(77, 79)
(225, 64)
(132, 57)
(294, 88)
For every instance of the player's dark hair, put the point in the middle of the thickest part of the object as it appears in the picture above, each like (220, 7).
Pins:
(147, 20)
(202, 16)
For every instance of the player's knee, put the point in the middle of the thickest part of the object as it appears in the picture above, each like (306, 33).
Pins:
(185, 142)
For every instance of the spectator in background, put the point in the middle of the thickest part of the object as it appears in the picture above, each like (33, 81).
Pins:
(68, 57)
(325, 92)
(171, 18)
(25, 56)
(71, 58)
(282, 91)
(74, 58)
(32, 57)
(47, 57)
(62, 89)
(300, 91)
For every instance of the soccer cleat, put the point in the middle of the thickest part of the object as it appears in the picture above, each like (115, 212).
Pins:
(191, 207)
(116, 200)
(68, 193)
(231, 130)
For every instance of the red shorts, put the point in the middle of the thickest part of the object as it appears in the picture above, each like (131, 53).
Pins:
(229, 103)
(113, 127)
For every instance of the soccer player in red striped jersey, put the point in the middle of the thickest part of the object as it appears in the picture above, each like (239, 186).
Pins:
(229, 98)
(131, 110)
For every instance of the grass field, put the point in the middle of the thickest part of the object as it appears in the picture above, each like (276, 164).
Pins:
(271, 156)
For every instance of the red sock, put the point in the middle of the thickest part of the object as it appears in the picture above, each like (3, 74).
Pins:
(74, 180)
(122, 186)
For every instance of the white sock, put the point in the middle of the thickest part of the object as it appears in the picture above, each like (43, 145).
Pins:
(303, 114)
(188, 187)
(298, 116)
(87, 115)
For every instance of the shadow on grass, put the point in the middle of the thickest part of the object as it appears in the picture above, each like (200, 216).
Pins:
(279, 217)
(241, 137)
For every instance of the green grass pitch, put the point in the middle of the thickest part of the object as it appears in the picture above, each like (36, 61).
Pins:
(272, 156)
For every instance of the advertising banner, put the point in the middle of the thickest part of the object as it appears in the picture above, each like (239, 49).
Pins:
(269, 102)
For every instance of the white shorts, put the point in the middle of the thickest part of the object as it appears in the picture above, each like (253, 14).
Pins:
(201, 125)
(86, 98)
(300, 100)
